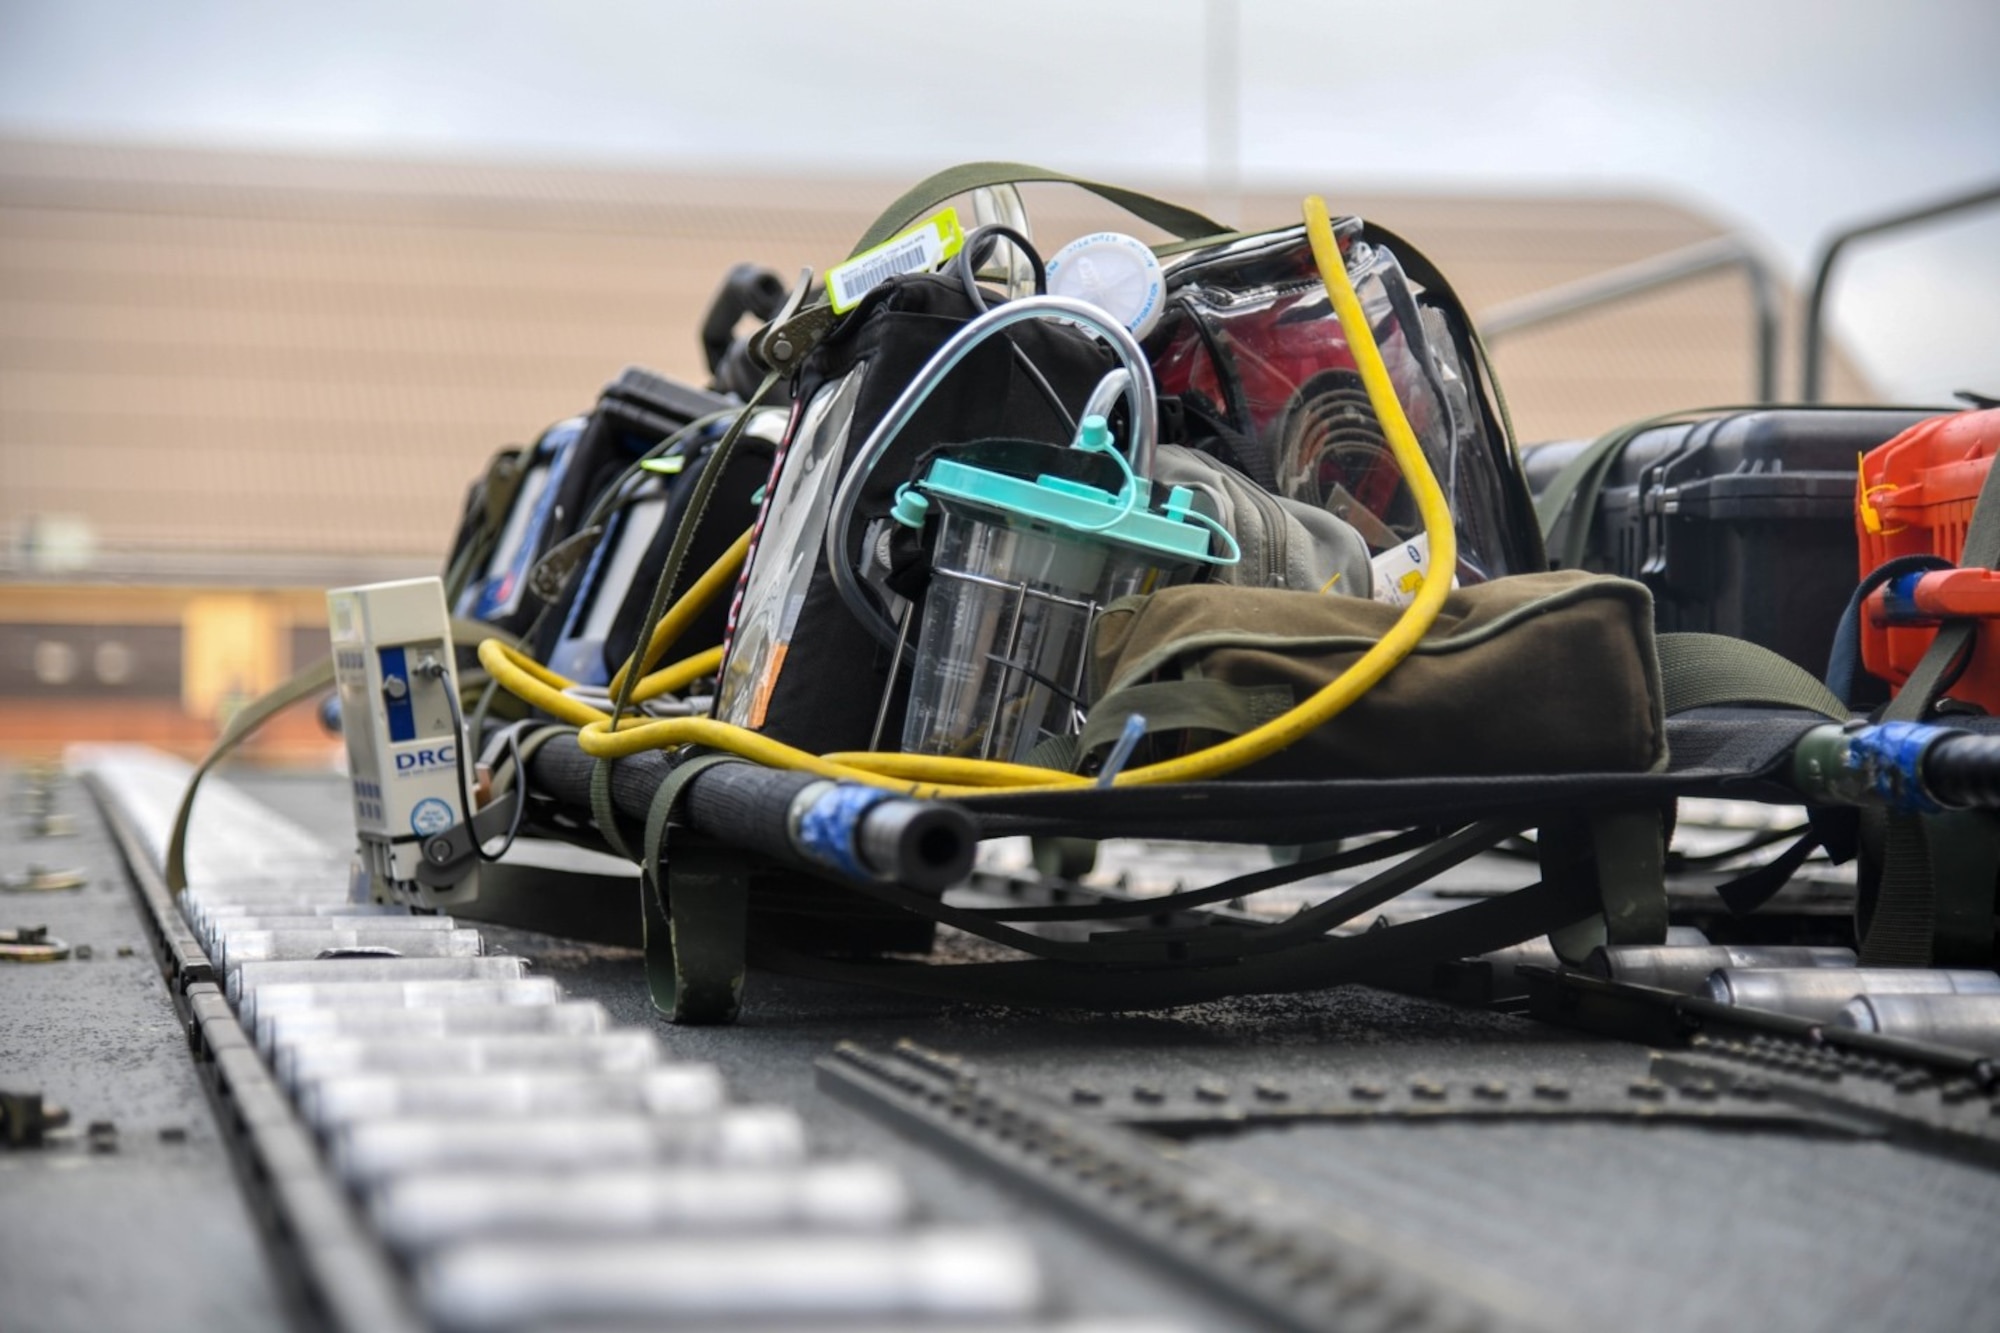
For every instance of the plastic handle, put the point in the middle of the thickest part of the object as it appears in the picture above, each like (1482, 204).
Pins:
(929, 194)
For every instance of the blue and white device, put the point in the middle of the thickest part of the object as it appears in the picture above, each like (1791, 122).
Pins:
(406, 754)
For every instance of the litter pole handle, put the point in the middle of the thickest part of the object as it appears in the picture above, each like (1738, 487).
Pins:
(924, 845)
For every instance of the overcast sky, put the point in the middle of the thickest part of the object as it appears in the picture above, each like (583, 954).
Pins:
(1784, 117)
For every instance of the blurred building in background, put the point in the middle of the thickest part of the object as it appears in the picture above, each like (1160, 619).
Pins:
(229, 381)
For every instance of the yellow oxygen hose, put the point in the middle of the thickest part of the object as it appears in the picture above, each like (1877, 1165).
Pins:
(717, 577)
(930, 775)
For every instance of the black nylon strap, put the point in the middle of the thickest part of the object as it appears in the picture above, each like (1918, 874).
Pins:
(1481, 927)
(1843, 662)
(1753, 888)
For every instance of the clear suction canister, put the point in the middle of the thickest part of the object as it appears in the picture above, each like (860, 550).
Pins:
(1018, 573)
(1031, 539)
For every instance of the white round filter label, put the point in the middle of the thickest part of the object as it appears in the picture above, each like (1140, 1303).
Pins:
(1118, 274)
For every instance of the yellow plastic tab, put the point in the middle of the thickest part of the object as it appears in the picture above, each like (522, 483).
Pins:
(919, 250)
(1864, 498)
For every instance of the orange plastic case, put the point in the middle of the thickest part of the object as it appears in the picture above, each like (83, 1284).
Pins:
(1916, 496)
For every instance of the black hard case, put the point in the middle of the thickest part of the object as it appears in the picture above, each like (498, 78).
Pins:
(1742, 524)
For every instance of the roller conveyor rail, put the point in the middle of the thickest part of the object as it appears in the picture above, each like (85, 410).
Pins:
(433, 1157)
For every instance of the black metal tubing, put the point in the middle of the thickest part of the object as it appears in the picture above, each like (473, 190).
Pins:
(1964, 771)
(1812, 352)
(923, 845)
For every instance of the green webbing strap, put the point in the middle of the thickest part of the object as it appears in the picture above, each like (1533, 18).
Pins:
(1901, 929)
(663, 590)
(697, 510)
(604, 814)
(1701, 670)
(529, 745)
(930, 194)
(696, 932)
(313, 680)
(1566, 506)
(497, 490)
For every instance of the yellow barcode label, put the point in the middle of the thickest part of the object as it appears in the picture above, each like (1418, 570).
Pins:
(918, 250)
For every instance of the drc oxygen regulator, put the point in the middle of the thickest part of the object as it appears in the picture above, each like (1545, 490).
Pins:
(406, 745)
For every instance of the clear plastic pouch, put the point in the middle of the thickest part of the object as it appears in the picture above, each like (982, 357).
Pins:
(1251, 347)
(765, 619)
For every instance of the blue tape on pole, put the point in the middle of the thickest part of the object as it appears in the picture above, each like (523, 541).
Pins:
(1890, 755)
(1899, 599)
(826, 831)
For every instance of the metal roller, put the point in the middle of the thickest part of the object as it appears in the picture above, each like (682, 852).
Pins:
(1822, 992)
(424, 1211)
(286, 1027)
(204, 908)
(302, 1063)
(1106, 1324)
(299, 905)
(259, 946)
(490, 1285)
(668, 1090)
(1969, 1022)
(1687, 969)
(245, 981)
(251, 868)
(210, 913)
(370, 1152)
(220, 928)
(532, 1164)
(304, 996)
(251, 882)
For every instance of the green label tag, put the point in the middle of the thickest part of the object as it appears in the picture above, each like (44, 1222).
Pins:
(918, 250)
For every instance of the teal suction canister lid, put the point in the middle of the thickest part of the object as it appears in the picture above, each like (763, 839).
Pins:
(1062, 504)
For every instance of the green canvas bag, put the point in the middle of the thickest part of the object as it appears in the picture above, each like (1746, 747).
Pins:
(1530, 674)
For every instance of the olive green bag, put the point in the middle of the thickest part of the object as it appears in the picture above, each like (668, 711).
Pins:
(1531, 674)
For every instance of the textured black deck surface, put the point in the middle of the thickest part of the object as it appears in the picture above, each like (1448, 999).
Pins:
(1623, 1224)
(1666, 1227)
